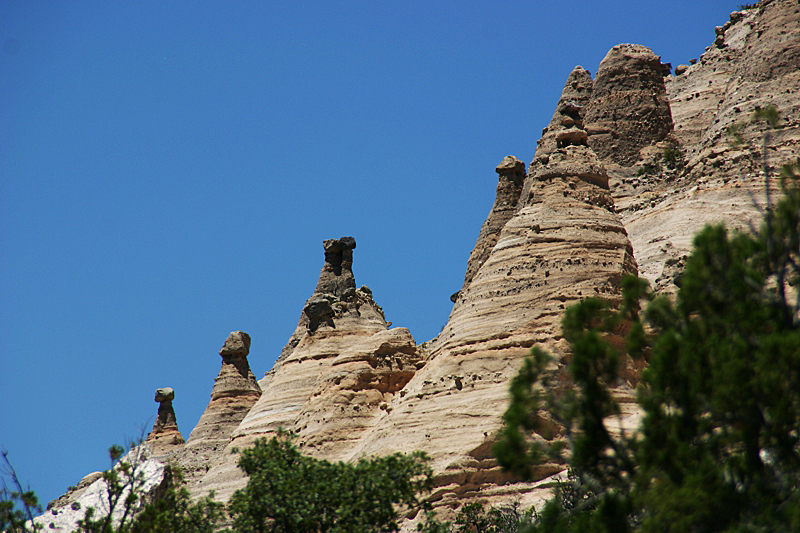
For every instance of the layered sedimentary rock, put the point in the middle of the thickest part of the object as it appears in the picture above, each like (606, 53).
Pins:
(629, 108)
(630, 167)
(234, 394)
(752, 63)
(567, 125)
(165, 436)
(337, 374)
(564, 242)
(512, 175)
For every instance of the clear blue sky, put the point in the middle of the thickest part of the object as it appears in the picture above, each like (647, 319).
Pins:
(168, 172)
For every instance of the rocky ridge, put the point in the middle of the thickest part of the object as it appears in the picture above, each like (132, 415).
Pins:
(334, 378)
(632, 164)
(699, 176)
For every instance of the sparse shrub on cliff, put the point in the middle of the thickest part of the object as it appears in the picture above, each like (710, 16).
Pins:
(475, 518)
(673, 158)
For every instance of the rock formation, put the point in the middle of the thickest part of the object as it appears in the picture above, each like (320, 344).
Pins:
(234, 394)
(564, 242)
(752, 63)
(629, 108)
(334, 378)
(63, 514)
(630, 167)
(512, 174)
(165, 436)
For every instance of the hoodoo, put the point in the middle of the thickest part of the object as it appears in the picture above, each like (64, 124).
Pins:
(335, 377)
(635, 161)
(234, 394)
(165, 436)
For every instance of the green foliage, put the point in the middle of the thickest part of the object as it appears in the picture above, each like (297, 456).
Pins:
(475, 518)
(649, 169)
(17, 505)
(286, 492)
(718, 448)
(289, 492)
(175, 512)
(672, 157)
(124, 486)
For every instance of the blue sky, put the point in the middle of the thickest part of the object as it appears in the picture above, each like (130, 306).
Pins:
(168, 172)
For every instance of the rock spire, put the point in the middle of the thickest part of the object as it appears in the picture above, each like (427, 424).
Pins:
(629, 109)
(165, 436)
(334, 379)
(511, 173)
(235, 392)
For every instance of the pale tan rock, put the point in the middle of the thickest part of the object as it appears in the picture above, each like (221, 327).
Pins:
(720, 182)
(564, 243)
(630, 102)
(568, 118)
(165, 436)
(350, 387)
(234, 394)
(336, 375)
(511, 173)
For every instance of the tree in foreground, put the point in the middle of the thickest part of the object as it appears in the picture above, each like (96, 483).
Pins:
(18, 506)
(288, 492)
(718, 448)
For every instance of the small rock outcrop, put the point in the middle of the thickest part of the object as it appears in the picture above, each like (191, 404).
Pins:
(234, 394)
(165, 436)
(629, 109)
(63, 514)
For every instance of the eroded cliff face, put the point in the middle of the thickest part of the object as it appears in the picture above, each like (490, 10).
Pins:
(620, 174)
(632, 164)
(752, 63)
(337, 374)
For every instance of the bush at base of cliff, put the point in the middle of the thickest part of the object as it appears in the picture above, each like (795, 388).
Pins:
(288, 492)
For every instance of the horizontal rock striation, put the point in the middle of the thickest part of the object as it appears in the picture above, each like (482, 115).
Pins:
(751, 64)
(630, 167)
(564, 242)
(234, 394)
(511, 173)
(165, 437)
(336, 375)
